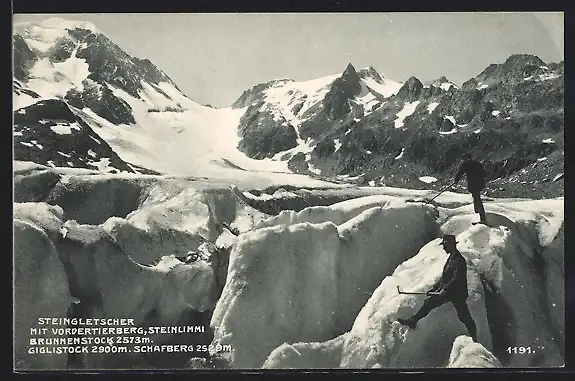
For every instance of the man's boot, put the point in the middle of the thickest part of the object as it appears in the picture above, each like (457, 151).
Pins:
(471, 329)
(482, 217)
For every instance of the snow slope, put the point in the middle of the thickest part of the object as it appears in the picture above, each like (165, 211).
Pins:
(200, 141)
(284, 95)
(53, 80)
(407, 110)
(46, 78)
(387, 88)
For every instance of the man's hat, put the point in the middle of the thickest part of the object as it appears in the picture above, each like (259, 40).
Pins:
(449, 238)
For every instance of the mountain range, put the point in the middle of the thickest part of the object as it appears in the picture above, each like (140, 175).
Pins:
(81, 101)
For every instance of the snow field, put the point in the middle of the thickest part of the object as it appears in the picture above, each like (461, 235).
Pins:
(387, 88)
(407, 110)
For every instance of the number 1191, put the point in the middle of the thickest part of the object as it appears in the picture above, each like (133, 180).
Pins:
(520, 350)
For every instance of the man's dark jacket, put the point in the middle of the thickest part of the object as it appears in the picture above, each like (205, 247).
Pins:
(454, 277)
(475, 174)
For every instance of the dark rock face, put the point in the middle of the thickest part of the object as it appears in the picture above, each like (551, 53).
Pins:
(463, 105)
(325, 148)
(410, 90)
(431, 91)
(62, 50)
(24, 58)
(515, 69)
(102, 101)
(49, 133)
(152, 74)
(19, 89)
(263, 136)
(298, 164)
(109, 63)
(320, 124)
(335, 108)
(336, 102)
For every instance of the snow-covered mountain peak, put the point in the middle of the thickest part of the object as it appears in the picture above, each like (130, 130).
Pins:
(61, 23)
(350, 70)
(72, 60)
(378, 83)
(55, 24)
(280, 82)
(370, 72)
(42, 36)
(303, 95)
(441, 82)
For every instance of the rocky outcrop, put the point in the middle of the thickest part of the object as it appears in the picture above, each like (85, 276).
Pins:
(102, 102)
(410, 90)
(24, 58)
(370, 72)
(48, 132)
(108, 63)
(91, 70)
(265, 134)
(336, 102)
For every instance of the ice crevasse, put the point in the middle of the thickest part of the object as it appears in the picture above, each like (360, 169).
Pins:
(60, 263)
(307, 281)
(324, 295)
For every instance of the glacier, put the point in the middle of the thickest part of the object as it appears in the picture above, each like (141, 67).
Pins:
(312, 288)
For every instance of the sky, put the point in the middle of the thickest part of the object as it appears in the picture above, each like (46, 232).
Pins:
(214, 57)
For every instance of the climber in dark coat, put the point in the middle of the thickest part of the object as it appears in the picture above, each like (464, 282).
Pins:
(475, 175)
(451, 287)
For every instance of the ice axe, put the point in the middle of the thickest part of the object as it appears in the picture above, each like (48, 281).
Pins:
(417, 293)
(428, 201)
